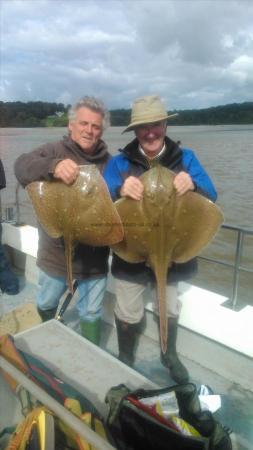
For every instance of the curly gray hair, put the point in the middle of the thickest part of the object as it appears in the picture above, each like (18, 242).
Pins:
(95, 105)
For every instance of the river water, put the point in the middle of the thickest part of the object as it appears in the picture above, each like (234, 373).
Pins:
(226, 151)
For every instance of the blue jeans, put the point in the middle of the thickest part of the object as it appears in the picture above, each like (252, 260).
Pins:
(91, 293)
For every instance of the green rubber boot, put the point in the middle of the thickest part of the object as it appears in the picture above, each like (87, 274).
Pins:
(91, 330)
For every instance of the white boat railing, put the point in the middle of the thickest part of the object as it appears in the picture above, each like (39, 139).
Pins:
(236, 265)
(13, 214)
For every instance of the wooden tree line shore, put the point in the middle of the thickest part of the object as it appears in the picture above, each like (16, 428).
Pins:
(45, 114)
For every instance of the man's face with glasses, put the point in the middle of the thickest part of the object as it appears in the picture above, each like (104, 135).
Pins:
(151, 137)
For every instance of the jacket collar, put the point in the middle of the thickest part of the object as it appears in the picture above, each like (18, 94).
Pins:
(99, 154)
(170, 157)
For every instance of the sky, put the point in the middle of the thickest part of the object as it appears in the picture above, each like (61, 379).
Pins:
(193, 53)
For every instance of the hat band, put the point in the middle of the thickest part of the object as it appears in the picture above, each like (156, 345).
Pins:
(145, 118)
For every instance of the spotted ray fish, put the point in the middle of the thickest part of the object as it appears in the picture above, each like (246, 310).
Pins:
(163, 228)
(82, 212)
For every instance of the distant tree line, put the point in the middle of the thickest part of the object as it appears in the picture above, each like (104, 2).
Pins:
(44, 114)
(31, 114)
(235, 113)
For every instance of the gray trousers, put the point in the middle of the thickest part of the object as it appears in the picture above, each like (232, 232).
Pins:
(131, 298)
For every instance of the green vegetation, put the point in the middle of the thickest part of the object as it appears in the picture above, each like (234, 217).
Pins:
(43, 114)
(31, 114)
(57, 120)
(120, 117)
(235, 113)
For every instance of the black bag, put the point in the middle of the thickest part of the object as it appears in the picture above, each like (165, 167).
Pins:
(136, 426)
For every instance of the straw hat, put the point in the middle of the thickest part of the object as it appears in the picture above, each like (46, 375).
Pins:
(148, 109)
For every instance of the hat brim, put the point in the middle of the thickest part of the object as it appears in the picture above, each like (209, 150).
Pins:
(133, 125)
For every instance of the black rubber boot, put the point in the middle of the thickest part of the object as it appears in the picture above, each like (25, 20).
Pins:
(47, 314)
(9, 283)
(128, 336)
(170, 359)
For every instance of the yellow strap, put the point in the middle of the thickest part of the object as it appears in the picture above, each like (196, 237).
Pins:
(37, 416)
(22, 433)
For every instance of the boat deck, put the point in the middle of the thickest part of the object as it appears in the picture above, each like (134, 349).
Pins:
(236, 410)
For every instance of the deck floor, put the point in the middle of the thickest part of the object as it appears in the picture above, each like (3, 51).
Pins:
(236, 410)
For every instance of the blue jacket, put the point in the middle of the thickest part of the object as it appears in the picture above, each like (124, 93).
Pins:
(131, 162)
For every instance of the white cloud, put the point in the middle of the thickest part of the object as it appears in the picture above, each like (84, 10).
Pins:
(193, 53)
(242, 67)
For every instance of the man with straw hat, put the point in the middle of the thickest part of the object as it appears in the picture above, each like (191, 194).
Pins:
(151, 145)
